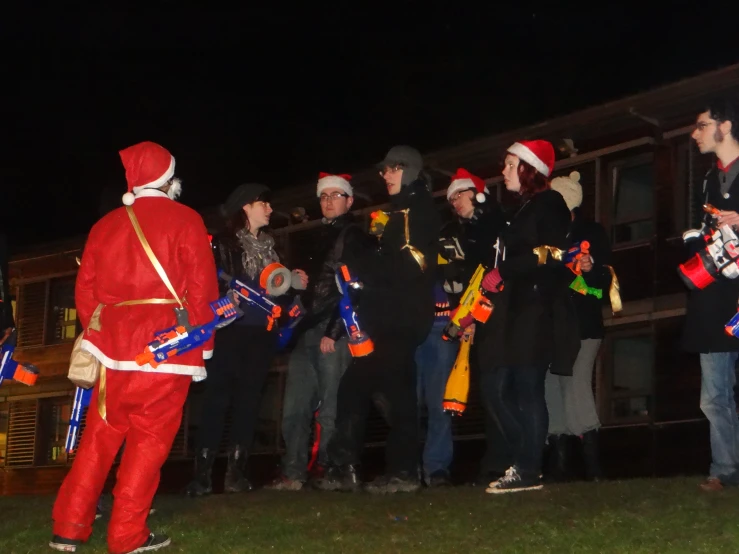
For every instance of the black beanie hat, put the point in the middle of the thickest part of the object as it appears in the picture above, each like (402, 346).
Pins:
(243, 195)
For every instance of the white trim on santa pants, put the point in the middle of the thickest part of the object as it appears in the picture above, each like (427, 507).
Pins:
(198, 372)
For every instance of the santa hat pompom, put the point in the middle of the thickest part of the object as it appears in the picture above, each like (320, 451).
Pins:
(128, 199)
(464, 180)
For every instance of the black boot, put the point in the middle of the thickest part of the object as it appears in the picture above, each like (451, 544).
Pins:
(339, 478)
(201, 483)
(236, 480)
(591, 455)
(560, 457)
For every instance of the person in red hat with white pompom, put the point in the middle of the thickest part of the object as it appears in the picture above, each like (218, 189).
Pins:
(119, 290)
(533, 328)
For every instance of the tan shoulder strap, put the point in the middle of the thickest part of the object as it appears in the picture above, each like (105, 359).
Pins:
(150, 253)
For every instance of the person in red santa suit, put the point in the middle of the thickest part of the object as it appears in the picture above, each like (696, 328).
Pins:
(140, 405)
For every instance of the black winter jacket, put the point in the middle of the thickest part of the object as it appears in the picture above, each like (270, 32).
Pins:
(321, 300)
(534, 320)
(477, 237)
(589, 307)
(398, 296)
(710, 309)
(227, 253)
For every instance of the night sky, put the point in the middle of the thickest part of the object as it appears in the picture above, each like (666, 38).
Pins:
(275, 94)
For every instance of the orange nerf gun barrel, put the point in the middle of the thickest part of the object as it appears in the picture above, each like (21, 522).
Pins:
(10, 369)
(473, 303)
(574, 255)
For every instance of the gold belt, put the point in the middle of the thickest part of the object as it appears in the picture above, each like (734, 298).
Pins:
(102, 389)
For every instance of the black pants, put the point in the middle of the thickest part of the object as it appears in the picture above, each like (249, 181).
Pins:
(498, 452)
(236, 376)
(390, 374)
(517, 394)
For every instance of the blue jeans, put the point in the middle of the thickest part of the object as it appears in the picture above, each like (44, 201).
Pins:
(434, 360)
(718, 404)
(312, 382)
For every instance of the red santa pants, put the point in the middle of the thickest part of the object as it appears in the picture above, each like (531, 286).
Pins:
(145, 411)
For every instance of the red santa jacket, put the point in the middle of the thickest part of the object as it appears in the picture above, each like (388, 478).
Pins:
(115, 268)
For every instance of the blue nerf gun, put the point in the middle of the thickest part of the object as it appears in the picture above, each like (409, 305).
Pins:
(295, 314)
(81, 401)
(573, 256)
(732, 327)
(10, 369)
(359, 343)
(183, 337)
(256, 294)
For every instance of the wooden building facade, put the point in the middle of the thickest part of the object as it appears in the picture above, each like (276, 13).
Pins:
(641, 175)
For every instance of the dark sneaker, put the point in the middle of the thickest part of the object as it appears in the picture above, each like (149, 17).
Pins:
(402, 482)
(154, 542)
(283, 483)
(60, 544)
(513, 482)
(439, 479)
(339, 478)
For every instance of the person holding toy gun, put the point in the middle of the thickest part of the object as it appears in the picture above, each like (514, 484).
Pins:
(238, 370)
(572, 413)
(533, 327)
(321, 354)
(711, 307)
(123, 298)
(476, 231)
(396, 309)
(466, 243)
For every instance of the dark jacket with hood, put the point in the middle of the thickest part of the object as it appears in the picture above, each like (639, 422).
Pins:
(398, 296)
(534, 321)
(341, 240)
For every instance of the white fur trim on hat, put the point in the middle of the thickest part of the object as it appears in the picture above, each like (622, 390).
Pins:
(570, 189)
(528, 156)
(334, 182)
(160, 182)
(464, 184)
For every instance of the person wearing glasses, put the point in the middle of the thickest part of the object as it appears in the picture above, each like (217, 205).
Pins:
(396, 308)
(321, 354)
(469, 240)
(244, 350)
(710, 308)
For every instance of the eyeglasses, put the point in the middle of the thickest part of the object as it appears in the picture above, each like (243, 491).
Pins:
(455, 197)
(390, 169)
(703, 124)
(333, 196)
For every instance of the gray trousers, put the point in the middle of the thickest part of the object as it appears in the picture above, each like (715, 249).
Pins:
(570, 400)
(312, 383)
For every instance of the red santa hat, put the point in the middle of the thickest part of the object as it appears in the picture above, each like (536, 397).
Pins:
(329, 181)
(148, 166)
(538, 153)
(464, 180)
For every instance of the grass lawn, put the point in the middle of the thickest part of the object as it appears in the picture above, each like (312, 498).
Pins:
(643, 515)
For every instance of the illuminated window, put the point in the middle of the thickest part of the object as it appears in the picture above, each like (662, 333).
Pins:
(62, 323)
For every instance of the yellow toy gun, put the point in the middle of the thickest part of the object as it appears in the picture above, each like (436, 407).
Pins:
(473, 304)
(458, 384)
